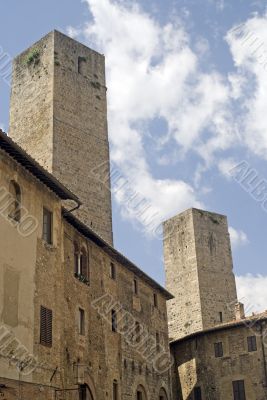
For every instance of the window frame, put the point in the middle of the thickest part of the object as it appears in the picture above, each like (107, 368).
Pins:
(157, 341)
(252, 344)
(220, 317)
(113, 271)
(114, 321)
(239, 390)
(48, 226)
(218, 349)
(81, 322)
(115, 390)
(135, 287)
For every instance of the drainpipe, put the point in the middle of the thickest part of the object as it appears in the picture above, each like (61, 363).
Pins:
(79, 204)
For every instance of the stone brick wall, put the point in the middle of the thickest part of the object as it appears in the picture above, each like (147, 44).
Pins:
(197, 366)
(199, 272)
(58, 114)
(46, 278)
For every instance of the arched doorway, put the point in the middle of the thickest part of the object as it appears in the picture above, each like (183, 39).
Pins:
(163, 394)
(85, 393)
(141, 393)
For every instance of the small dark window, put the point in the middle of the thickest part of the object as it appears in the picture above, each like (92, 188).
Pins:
(138, 332)
(76, 259)
(221, 317)
(81, 322)
(114, 320)
(115, 391)
(47, 225)
(84, 264)
(155, 300)
(112, 271)
(218, 348)
(252, 343)
(84, 392)
(46, 317)
(158, 341)
(239, 390)
(82, 65)
(139, 395)
(15, 201)
(135, 286)
(197, 393)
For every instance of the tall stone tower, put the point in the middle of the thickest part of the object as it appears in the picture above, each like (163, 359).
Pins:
(58, 114)
(199, 269)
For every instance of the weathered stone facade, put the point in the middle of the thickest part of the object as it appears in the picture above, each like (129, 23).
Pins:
(58, 114)
(199, 272)
(197, 367)
(36, 274)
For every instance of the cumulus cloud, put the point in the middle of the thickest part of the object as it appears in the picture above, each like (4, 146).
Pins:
(154, 73)
(238, 237)
(248, 46)
(252, 292)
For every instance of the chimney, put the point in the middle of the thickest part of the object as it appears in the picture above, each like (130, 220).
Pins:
(239, 311)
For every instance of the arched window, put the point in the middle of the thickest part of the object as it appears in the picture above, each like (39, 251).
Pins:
(163, 394)
(141, 393)
(85, 393)
(15, 201)
(115, 390)
(81, 264)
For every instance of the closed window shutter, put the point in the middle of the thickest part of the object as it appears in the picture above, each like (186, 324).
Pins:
(46, 328)
(239, 390)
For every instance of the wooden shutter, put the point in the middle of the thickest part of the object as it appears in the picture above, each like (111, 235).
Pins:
(46, 328)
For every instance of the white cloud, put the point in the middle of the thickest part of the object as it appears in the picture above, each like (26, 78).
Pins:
(226, 165)
(153, 73)
(248, 45)
(238, 237)
(252, 292)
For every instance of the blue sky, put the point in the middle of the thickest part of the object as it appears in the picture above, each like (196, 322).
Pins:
(187, 97)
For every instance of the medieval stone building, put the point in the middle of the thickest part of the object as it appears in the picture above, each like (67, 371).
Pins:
(78, 320)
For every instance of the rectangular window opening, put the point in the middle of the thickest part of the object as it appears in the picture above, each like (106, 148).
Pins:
(155, 300)
(115, 391)
(113, 271)
(218, 348)
(239, 390)
(46, 327)
(135, 286)
(197, 393)
(114, 320)
(47, 226)
(81, 322)
(252, 343)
